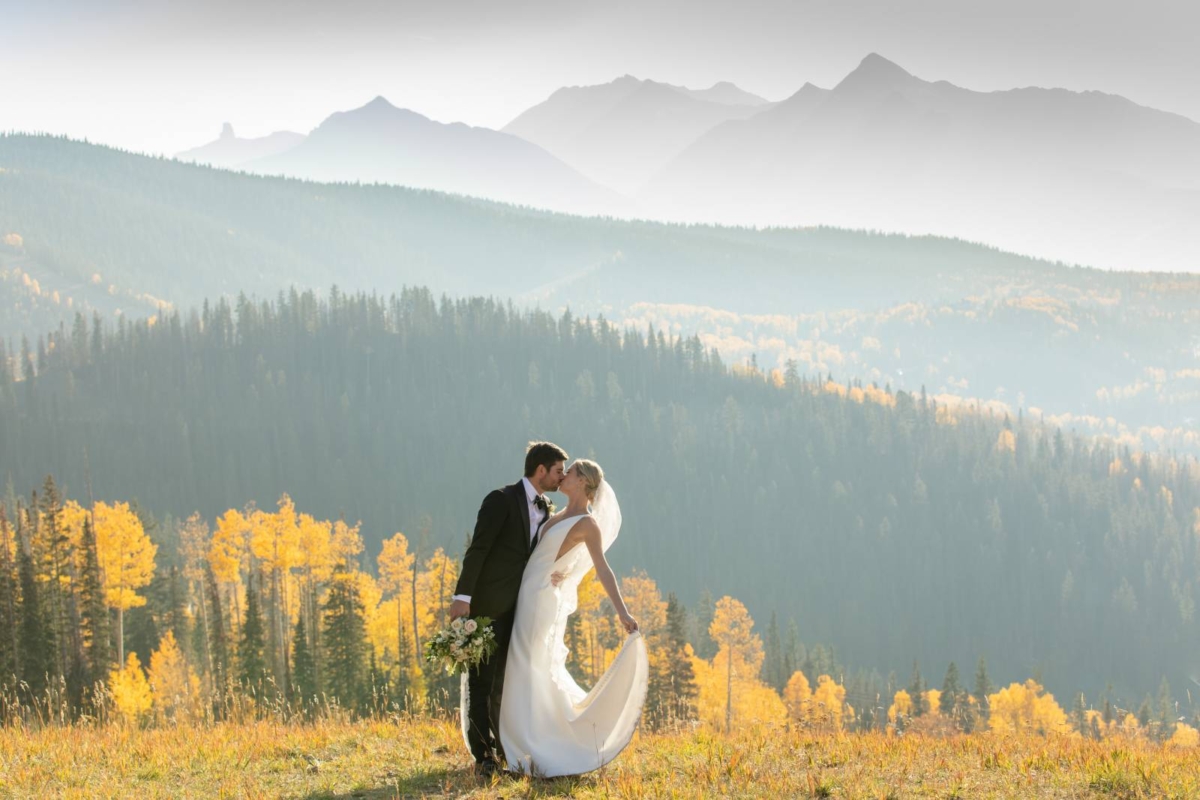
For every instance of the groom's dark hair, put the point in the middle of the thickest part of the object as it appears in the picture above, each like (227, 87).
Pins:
(542, 454)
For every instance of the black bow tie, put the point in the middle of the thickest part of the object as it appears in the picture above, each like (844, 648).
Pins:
(541, 503)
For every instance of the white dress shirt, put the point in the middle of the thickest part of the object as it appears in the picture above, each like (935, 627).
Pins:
(535, 522)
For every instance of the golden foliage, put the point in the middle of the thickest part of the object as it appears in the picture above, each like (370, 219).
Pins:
(126, 554)
(902, 706)
(1026, 707)
(754, 703)
(1184, 736)
(797, 696)
(645, 603)
(395, 564)
(1006, 442)
(174, 685)
(130, 690)
(732, 628)
(435, 592)
(829, 707)
(230, 546)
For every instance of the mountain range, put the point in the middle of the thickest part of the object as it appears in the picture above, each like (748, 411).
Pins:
(231, 151)
(1081, 177)
(622, 133)
(380, 143)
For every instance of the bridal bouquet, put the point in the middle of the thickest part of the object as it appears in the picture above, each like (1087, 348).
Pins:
(465, 644)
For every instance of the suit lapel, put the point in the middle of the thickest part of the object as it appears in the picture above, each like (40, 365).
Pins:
(522, 502)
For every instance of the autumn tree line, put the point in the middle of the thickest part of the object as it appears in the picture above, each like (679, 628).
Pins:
(108, 614)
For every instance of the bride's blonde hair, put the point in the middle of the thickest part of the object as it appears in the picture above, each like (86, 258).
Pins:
(592, 475)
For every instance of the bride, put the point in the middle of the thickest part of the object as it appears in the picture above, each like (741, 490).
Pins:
(549, 726)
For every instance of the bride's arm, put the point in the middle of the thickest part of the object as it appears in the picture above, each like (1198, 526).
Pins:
(604, 574)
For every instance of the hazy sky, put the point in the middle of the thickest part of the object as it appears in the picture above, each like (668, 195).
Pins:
(159, 76)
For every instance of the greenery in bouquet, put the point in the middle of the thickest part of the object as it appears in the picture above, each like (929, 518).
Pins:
(466, 643)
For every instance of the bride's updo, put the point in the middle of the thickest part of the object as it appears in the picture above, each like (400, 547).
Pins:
(591, 474)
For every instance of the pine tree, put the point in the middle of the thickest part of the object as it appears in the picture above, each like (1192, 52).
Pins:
(951, 689)
(1143, 713)
(1079, 714)
(252, 660)
(773, 668)
(683, 678)
(9, 649)
(304, 669)
(345, 641)
(916, 690)
(704, 645)
(94, 611)
(58, 600)
(1166, 710)
(36, 642)
(983, 686)
(176, 601)
(218, 641)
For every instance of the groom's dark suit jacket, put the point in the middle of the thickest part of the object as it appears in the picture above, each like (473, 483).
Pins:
(498, 552)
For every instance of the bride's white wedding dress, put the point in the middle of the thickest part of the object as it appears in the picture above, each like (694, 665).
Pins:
(549, 726)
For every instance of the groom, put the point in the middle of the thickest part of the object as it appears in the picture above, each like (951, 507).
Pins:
(505, 535)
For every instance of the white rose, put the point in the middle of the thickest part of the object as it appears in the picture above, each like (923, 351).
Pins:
(471, 626)
(457, 624)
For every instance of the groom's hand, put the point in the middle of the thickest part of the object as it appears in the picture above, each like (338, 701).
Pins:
(459, 608)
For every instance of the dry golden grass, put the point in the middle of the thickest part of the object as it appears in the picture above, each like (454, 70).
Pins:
(426, 758)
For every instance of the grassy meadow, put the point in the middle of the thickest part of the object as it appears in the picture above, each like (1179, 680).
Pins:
(404, 758)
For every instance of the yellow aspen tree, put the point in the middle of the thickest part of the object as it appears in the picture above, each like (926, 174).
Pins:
(130, 690)
(71, 519)
(193, 547)
(435, 591)
(797, 696)
(274, 541)
(126, 557)
(901, 706)
(347, 543)
(1026, 707)
(315, 561)
(754, 703)
(732, 630)
(829, 702)
(395, 576)
(1130, 726)
(229, 556)
(587, 631)
(173, 683)
(1185, 736)
(933, 702)
(646, 604)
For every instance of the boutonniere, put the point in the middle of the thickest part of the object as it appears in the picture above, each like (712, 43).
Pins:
(550, 508)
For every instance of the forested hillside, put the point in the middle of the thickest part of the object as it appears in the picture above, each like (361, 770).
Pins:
(88, 227)
(183, 232)
(887, 525)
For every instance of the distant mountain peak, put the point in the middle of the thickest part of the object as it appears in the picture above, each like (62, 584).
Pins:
(379, 102)
(875, 71)
(227, 131)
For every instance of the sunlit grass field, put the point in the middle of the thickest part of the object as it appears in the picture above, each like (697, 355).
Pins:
(426, 758)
